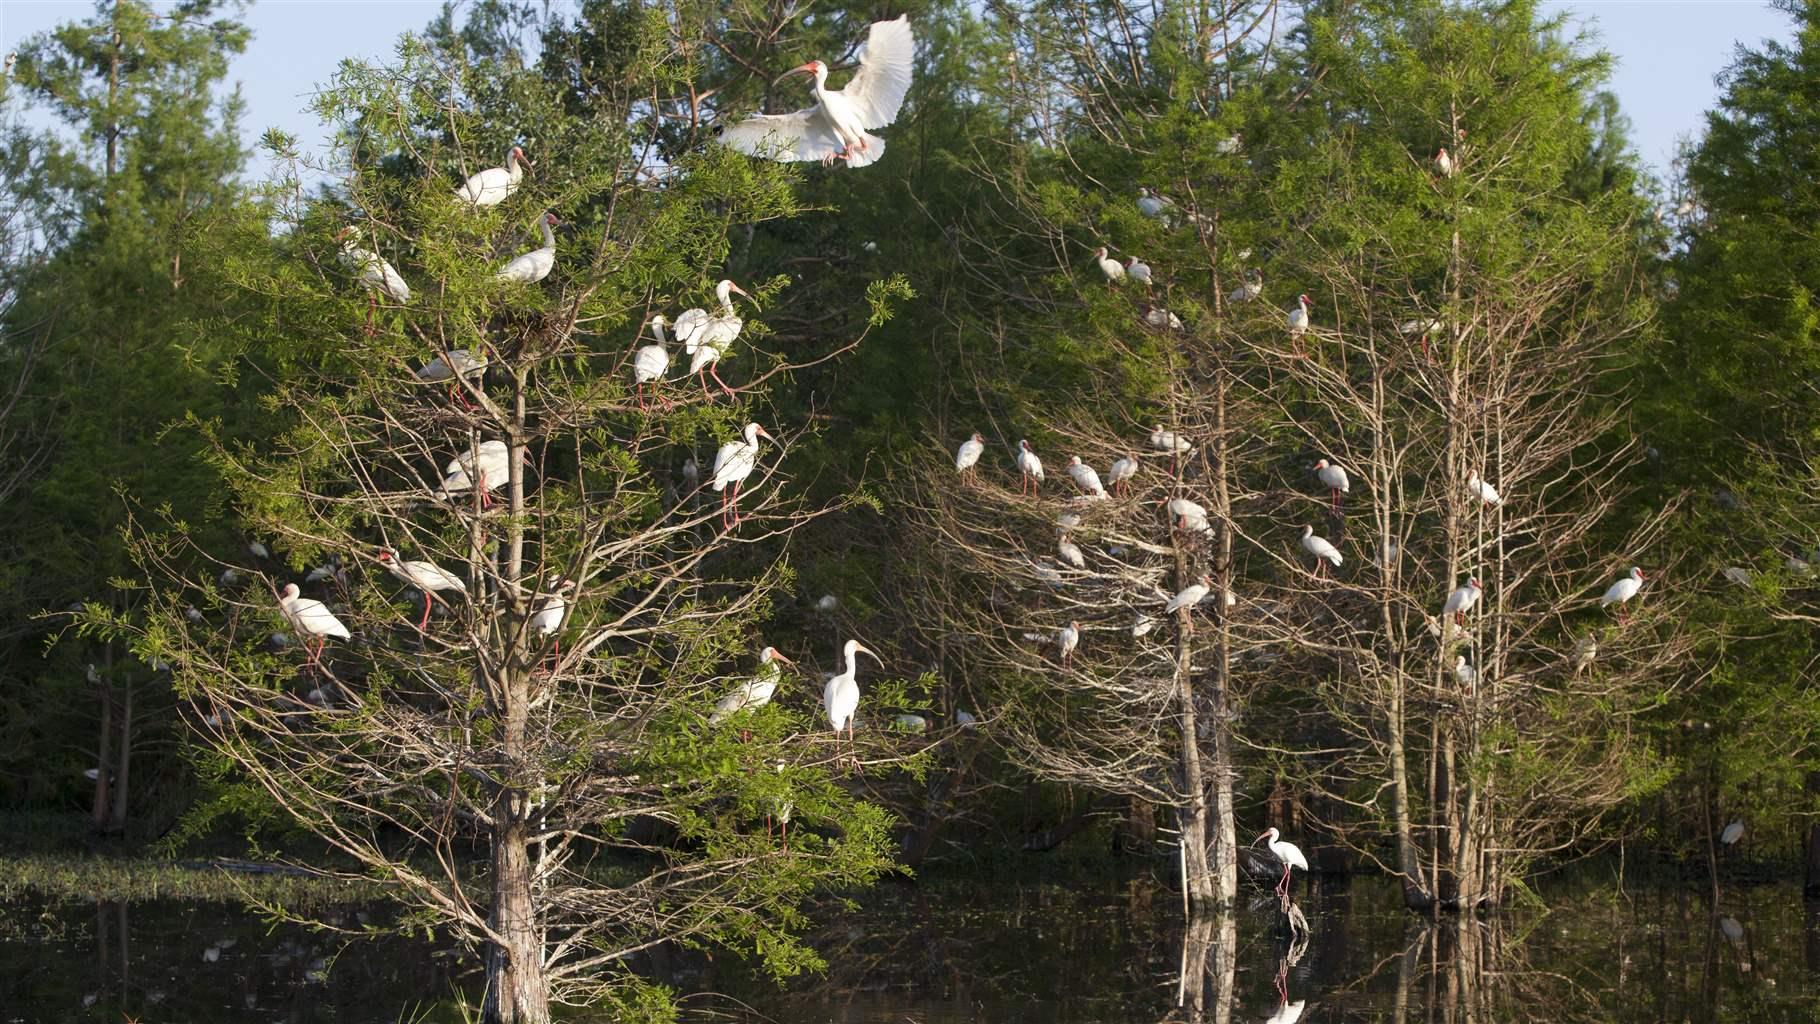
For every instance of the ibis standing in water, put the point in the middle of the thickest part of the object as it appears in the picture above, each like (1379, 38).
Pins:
(491, 186)
(1622, 591)
(310, 618)
(732, 465)
(1286, 852)
(836, 128)
(535, 265)
(1029, 468)
(840, 698)
(429, 578)
(1336, 480)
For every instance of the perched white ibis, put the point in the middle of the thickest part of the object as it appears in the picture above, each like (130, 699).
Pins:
(1622, 591)
(707, 342)
(457, 366)
(1444, 163)
(258, 550)
(732, 465)
(1484, 491)
(828, 604)
(755, 692)
(1029, 468)
(1229, 145)
(1737, 574)
(840, 697)
(491, 186)
(1323, 552)
(1463, 672)
(1138, 271)
(691, 475)
(489, 465)
(910, 723)
(1153, 206)
(1462, 601)
(836, 128)
(1287, 1012)
(1298, 322)
(310, 619)
(1068, 520)
(1085, 477)
(1187, 598)
(1168, 441)
(1733, 832)
(1585, 652)
(1250, 289)
(1121, 471)
(968, 455)
(650, 362)
(1188, 516)
(1421, 327)
(535, 265)
(965, 719)
(1141, 625)
(1161, 319)
(373, 272)
(1336, 480)
(1113, 270)
(1070, 552)
(1286, 852)
(428, 577)
(547, 620)
(1066, 640)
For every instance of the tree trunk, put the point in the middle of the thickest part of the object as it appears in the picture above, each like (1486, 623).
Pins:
(117, 815)
(1812, 886)
(1191, 810)
(1224, 863)
(517, 992)
(98, 810)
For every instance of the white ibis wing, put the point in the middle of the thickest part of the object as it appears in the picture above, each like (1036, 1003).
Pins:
(800, 136)
(876, 91)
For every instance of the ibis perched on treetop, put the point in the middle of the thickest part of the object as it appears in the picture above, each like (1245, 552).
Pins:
(491, 186)
(1462, 600)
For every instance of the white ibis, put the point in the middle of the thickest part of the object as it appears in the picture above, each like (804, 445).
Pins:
(535, 265)
(755, 692)
(1323, 552)
(968, 455)
(1444, 163)
(489, 464)
(965, 719)
(547, 620)
(1068, 520)
(1413, 328)
(1070, 552)
(1737, 574)
(258, 550)
(1622, 591)
(491, 186)
(1066, 640)
(373, 272)
(1286, 852)
(1152, 205)
(827, 604)
(1160, 318)
(1085, 477)
(428, 577)
(732, 465)
(1733, 832)
(1029, 468)
(691, 474)
(1229, 145)
(1287, 1012)
(1336, 480)
(310, 618)
(910, 723)
(1484, 491)
(1141, 625)
(1113, 270)
(1298, 322)
(457, 366)
(1121, 471)
(713, 337)
(1585, 652)
(650, 362)
(1462, 601)
(1187, 598)
(1251, 288)
(840, 698)
(1168, 441)
(836, 127)
(1138, 271)
(1464, 673)
(1188, 516)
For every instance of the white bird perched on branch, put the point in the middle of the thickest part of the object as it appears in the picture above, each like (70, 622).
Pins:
(428, 577)
(1121, 471)
(732, 465)
(1142, 624)
(1484, 491)
(968, 455)
(1188, 516)
(650, 362)
(709, 341)
(1154, 206)
(1462, 601)
(1322, 551)
(1733, 832)
(547, 620)
(1113, 270)
(1444, 163)
(840, 697)
(1336, 480)
(311, 618)
(1585, 652)
(1029, 468)
(373, 272)
(1622, 591)
(1298, 322)
(1411, 328)
(1464, 673)
(1251, 288)
(1160, 318)
(836, 128)
(535, 265)
(1168, 441)
(489, 464)
(755, 692)
(1066, 640)
(1738, 575)
(457, 366)
(1138, 271)
(491, 186)
(1085, 477)
(1070, 552)
(1187, 598)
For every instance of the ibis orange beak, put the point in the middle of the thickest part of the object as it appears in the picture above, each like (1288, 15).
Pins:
(868, 650)
(777, 655)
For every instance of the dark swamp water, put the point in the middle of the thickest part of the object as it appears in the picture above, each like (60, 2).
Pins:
(942, 952)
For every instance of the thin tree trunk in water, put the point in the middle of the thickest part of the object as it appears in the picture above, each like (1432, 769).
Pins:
(117, 816)
(1225, 861)
(98, 810)
(1191, 812)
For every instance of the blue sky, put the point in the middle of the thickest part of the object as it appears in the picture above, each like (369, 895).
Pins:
(1668, 52)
